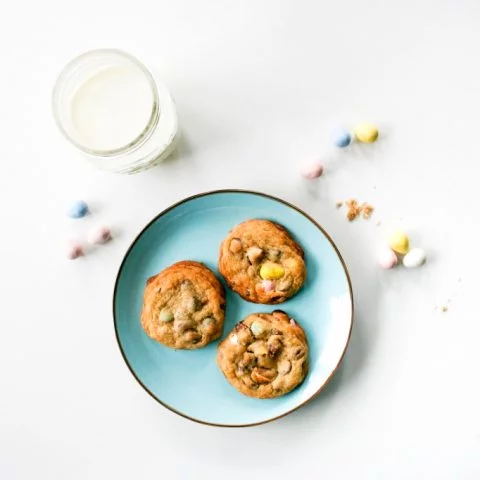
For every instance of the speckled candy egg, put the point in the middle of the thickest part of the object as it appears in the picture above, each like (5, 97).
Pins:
(386, 257)
(75, 250)
(414, 258)
(268, 285)
(78, 209)
(312, 170)
(366, 132)
(399, 242)
(99, 235)
(341, 138)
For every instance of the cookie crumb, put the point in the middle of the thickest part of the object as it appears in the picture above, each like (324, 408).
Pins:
(444, 309)
(352, 215)
(354, 209)
(339, 204)
(367, 210)
(378, 223)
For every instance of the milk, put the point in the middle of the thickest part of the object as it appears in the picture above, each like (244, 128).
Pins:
(112, 109)
(116, 112)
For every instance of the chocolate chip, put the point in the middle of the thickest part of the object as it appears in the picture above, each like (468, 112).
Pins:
(274, 254)
(299, 352)
(192, 336)
(274, 345)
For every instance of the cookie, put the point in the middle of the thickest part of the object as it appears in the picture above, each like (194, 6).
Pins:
(261, 262)
(184, 306)
(265, 355)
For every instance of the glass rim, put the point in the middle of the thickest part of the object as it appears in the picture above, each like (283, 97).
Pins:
(70, 68)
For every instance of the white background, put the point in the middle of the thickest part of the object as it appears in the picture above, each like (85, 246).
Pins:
(259, 85)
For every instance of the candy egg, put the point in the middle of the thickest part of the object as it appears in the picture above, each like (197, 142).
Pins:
(78, 209)
(99, 235)
(209, 325)
(271, 271)
(398, 242)
(75, 251)
(414, 258)
(256, 328)
(386, 258)
(312, 170)
(342, 138)
(208, 321)
(165, 316)
(268, 285)
(366, 132)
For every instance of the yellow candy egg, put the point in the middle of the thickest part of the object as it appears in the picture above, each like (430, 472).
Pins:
(399, 242)
(271, 271)
(366, 132)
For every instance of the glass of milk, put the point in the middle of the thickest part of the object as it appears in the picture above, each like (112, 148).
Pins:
(112, 109)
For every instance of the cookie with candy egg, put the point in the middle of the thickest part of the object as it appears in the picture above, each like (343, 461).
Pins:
(261, 262)
(184, 306)
(265, 355)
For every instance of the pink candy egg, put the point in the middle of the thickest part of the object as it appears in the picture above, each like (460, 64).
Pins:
(75, 251)
(312, 170)
(99, 235)
(387, 258)
(268, 285)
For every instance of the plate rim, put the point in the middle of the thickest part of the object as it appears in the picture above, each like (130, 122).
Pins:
(249, 192)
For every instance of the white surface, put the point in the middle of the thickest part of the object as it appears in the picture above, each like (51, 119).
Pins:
(258, 85)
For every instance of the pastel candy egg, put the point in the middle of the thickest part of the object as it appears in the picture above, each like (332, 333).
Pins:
(78, 209)
(342, 138)
(99, 235)
(271, 271)
(209, 325)
(414, 258)
(399, 242)
(268, 285)
(165, 316)
(75, 250)
(366, 132)
(256, 328)
(312, 170)
(386, 258)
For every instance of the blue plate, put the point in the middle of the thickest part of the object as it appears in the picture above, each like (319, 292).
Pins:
(189, 382)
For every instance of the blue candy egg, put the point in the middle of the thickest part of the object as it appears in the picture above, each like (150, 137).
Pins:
(342, 138)
(78, 209)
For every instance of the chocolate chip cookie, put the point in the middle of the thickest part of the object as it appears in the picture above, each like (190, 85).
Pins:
(261, 262)
(265, 355)
(184, 306)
